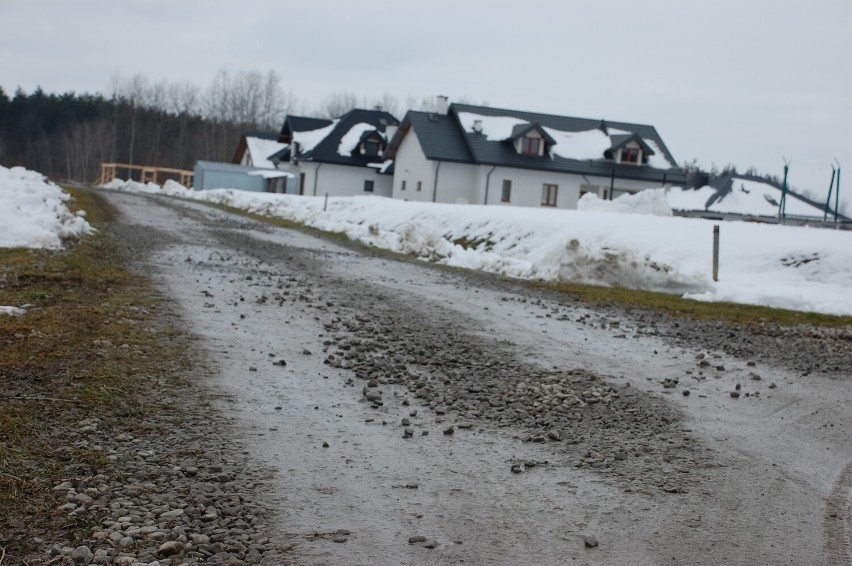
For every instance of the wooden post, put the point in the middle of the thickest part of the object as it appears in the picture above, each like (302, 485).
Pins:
(715, 252)
(325, 205)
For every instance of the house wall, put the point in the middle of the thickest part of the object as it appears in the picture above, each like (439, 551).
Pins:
(462, 183)
(457, 182)
(340, 180)
(527, 186)
(411, 166)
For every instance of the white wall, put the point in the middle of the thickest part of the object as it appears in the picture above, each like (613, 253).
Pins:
(460, 183)
(411, 166)
(527, 186)
(341, 180)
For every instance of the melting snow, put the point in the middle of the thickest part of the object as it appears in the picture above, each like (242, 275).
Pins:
(760, 263)
(35, 212)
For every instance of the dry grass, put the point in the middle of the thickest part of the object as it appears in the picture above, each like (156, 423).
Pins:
(674, 305)
(83, 350)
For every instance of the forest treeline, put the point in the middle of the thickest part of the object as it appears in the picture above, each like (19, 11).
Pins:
(67, 136)
(163, 124)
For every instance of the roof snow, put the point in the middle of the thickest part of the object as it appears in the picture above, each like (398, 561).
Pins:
(350, 139)
(308, 140)
(260, 149)
(582, 145)
(590, 144)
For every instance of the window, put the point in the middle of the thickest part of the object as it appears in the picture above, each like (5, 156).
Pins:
(506, 196)
(368, 186)
(419, 185)
(629, 155)
(371, 148)
(402, 186)
(548, 194)
(530, 146)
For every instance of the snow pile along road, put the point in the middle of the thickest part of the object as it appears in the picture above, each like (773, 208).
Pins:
(629, 243)
(35, 212)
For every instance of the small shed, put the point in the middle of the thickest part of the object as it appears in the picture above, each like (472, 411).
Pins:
(215, 175)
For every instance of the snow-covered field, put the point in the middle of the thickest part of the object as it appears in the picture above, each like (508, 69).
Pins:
(631, 242)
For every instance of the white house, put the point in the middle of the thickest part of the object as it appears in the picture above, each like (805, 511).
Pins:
(342, 157)
(482, 155)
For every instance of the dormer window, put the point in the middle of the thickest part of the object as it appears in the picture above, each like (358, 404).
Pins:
(629, 149)
(630, 155)
(371, 148)
(530, 139)
(371, 145)
(530, 145)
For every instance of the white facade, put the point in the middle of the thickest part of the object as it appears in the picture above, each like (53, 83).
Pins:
(320, 179)
(419, 179)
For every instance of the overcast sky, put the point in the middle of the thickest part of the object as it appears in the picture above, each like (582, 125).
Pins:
(744, 82)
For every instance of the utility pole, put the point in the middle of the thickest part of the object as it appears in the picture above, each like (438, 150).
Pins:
(837, 195)
(782, 213)
(828, 200)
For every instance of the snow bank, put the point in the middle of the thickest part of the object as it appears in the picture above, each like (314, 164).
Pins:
(796, 268)
(35, 212)
(651, 201)
(746, 197)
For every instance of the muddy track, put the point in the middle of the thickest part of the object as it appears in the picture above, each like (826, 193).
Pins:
(606, 422)
(838, 527)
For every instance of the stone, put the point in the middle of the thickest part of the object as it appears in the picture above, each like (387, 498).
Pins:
(82, 555)
(590, 541)
(450, 430)
(170, 548)
(416, 539)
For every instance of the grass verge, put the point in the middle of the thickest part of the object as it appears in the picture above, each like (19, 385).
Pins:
(89, 346)
(731, 313)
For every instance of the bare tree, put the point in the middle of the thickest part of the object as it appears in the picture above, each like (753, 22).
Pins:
(337, 104)
(389, 103)
(248, 98)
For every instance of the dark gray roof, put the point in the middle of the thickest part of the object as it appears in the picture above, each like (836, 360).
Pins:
(439, 136)
(444, 139)
(326, 150)
(294, 124)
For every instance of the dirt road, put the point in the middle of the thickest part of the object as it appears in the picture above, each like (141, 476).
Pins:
(492, 424)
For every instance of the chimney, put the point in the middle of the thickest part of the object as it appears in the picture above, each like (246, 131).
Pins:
(442, 104)
(477, 126)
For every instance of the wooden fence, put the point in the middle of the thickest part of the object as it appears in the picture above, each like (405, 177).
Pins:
(109, 171)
